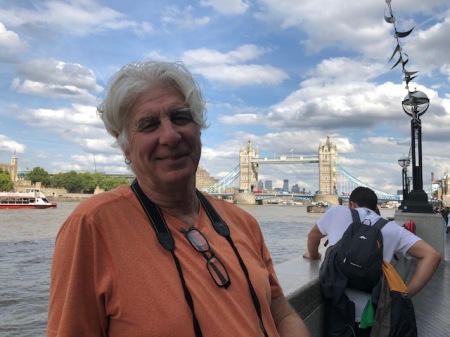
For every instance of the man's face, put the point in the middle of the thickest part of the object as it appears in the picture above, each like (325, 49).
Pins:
(164, 141)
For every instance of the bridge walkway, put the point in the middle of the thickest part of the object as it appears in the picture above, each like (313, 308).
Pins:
(432, 304)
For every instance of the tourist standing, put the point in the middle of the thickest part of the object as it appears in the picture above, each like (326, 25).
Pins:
(148, 260)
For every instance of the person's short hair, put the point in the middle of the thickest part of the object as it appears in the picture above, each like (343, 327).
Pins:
(136, 78)
(364, 197)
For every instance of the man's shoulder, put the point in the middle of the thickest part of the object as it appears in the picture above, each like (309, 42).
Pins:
(225, 208)
(338, 209)
(99, 201)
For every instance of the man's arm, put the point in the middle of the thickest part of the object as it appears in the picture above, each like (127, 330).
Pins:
(428, 260)
(288, 323)
(314, 237)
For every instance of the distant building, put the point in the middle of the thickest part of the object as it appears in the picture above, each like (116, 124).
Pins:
(260, 185)
(204, 179)
(11, 168)
(286, 185)
(268, 185)
(295, 189)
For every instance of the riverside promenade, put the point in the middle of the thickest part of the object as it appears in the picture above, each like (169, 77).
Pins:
(432, 304)
(299, 279)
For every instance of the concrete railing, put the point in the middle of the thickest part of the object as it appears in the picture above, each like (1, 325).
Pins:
(300, 282)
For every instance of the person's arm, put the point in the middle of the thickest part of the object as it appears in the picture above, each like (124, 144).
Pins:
(428, 260)
(314, 237)
(288, 323)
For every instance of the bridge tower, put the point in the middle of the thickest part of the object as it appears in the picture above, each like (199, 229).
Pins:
(14, 167)
(248, 177)
(327, 172)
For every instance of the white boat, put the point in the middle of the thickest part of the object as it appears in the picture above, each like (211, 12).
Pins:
(31, 198)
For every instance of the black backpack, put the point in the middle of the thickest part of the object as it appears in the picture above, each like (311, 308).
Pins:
(359, 253)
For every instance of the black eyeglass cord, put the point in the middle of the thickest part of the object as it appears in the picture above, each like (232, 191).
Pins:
(166, 240)
(222, 228)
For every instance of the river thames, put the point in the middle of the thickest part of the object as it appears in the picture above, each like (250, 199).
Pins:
(26, 246)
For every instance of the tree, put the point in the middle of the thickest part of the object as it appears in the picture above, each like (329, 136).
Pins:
(109, 183)
(89, 182)
(38, 174)
(6, 184)
(73, 182)
(57, 180)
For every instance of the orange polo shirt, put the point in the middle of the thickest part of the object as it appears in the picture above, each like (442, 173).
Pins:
(111, 277)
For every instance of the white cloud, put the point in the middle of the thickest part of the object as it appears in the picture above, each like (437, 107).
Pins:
(242, 75)
(229, 7)
(230, 67)
(205, 57)
(182, 18)
(80, 17)
(56, 79)
(58, 72)
(10, 146)
(9, 39)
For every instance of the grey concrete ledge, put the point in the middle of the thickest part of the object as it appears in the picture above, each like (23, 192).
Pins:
(300, 282)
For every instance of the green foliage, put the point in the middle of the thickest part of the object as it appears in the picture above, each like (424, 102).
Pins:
(75, 182)
(109, 183)
(38, 174)
(6, 184)
(88, 182)
(57, 180)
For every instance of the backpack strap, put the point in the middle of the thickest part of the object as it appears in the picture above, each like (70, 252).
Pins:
(380, 223)
(355, 215)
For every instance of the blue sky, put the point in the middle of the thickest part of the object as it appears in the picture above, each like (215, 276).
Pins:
(283, 73)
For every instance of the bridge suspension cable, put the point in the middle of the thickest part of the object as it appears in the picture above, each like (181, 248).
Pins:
(356, 182)
(225, 182)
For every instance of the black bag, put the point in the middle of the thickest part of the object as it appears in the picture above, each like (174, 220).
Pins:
(360, 253)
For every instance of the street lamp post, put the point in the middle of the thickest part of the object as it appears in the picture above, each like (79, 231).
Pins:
(404, 163)
(415, 104)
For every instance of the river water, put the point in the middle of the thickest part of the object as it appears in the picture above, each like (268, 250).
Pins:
(26, 246)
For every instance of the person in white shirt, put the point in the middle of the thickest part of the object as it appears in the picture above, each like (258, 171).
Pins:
(396, 240)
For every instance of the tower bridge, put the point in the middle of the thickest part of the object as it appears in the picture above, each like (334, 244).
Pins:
(334, 180)
(249, 162)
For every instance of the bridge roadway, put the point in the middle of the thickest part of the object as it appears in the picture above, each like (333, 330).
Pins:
(286, 160)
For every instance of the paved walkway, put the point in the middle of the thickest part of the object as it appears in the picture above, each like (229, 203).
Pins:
(432, 304)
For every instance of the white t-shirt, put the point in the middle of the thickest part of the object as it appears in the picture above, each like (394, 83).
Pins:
(396, 240)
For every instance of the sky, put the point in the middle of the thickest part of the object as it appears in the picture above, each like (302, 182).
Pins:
(284, 74)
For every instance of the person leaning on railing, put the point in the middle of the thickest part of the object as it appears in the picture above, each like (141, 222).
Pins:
(396, 241)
